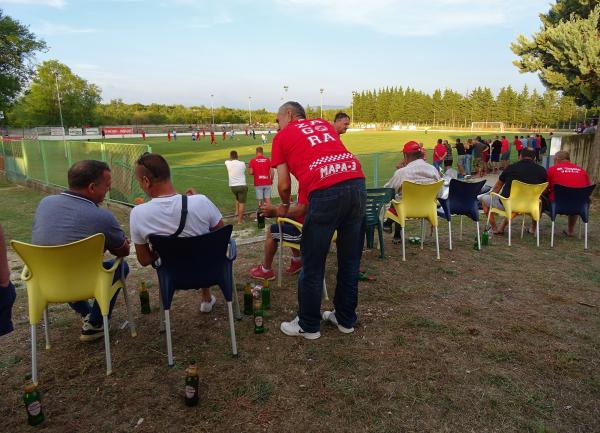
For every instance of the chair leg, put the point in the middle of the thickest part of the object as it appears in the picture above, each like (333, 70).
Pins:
(509, 230)
(169, 342)
(461, 228)
(403, 247)
(437, 243)
(162, 314)
(234, 351)
(585, 241)
(34, 372)
(579, 224)
(236, 303)
(380, 233)
(552, 236)
(46, 331)
(450, 233)
(130, 318)
(107, 346)
(537, 232)
(478, 236)
(280, 267)
(325, 294)
(422, 232)
(523, 227)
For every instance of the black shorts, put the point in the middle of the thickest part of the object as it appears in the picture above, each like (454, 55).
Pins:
(289, 231)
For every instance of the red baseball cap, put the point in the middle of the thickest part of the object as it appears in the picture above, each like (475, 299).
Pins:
(411, 146)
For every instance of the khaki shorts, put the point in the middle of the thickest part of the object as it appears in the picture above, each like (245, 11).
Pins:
(240, 192)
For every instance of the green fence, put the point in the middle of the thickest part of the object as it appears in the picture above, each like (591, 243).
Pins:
(47, 162)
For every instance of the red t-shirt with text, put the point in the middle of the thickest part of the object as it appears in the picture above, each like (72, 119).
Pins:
(261, 170)
(315, 155)
(567, 174)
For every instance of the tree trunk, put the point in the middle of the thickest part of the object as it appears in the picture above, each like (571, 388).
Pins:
(594, 163)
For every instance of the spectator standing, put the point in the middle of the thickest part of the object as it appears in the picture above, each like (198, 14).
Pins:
(468, 156)
(439, 153)
(504, 153)
(236, 171)
(261, 170)
(496, 150)
(518, 146)
(448, 159)
(478, 148)
(460, 155)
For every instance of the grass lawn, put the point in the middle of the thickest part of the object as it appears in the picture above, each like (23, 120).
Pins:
(490, 341)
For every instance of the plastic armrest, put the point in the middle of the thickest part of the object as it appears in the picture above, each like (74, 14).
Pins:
(289, 221)
(113, 268)
(25, 274)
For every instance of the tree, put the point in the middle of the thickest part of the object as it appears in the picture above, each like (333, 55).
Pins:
(17, 48)
(39, 105)
(566, 55)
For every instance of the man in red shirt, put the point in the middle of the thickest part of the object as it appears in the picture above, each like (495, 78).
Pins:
(504, 153)
(169, 135)
(565, 173)
(439, 153)
(212, 136)
(333, 180)
(518, 146)
(260, 168)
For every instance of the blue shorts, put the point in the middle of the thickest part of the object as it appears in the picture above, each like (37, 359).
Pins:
(289, 231)
(263, 192)
(7, 299)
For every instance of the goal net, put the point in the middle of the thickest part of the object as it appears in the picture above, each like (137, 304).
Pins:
(487, 126)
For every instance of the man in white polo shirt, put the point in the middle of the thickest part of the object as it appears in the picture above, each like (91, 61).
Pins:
(162, 214)
(236, 171)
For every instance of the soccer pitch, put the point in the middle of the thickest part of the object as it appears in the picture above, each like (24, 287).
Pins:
(200, 165)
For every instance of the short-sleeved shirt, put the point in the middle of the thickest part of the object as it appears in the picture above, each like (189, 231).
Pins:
(448, 156)
(518, 144)
(505, 145)
(438, 151)
(69, 217)
(525, 170)
(567, 174)
(478, 149)
(261, 169)
(460, 148)
(533, 143)
(525, 142)
(162, 215)
(496, 147)
(314, 154)
(236, 170)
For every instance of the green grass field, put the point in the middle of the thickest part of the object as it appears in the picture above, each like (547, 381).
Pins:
(199, 164)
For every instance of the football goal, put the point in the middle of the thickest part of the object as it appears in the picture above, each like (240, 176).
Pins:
(487, 126)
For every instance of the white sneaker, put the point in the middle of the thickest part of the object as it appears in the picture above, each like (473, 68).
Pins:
(206, 307)
(293, 329)
(329, 316)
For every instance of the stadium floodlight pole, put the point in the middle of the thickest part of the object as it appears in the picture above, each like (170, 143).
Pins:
(285, 89)
(321, 90)
(212, 111)
(352, 107)
(249, 111)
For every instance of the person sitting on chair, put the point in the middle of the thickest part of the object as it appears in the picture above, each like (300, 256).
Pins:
(290, 234)
(74, 215)
(162, 215)
(525, 170)
(7, 290)
(564, 173)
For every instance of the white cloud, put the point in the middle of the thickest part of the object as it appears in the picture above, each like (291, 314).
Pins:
(51, 29)
(411, 18)
(52, 3)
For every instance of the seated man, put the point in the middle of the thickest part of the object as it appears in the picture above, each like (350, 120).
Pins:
(414, 169)
(565, 173)
(290, 234)
(524, 170)
(7, 290)
(74, 215)
(162, 214)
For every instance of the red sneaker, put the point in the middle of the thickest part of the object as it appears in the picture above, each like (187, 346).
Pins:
(295, 267)
(259, 274)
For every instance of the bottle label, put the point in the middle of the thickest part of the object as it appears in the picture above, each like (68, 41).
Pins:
(258, 321)
(34, 408)
(190, 391)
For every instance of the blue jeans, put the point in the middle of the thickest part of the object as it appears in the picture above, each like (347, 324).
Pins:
(340, 207)
(83, 307)
(437, 164)
(467, 166)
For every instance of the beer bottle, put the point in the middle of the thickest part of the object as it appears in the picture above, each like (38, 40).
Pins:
(248, 299)
(33, 403)
(144, 298)
(485, 238)
(260, 218)
(191, 385)
(266, 295)
(259, 325)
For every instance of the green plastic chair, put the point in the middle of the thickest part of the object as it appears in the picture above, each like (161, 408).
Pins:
(377, 198)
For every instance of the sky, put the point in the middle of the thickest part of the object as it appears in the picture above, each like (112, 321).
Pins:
(184, 51)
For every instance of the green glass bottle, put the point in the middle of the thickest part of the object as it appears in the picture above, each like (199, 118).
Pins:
(266, 295)
(33, 403)
(259, 321)
(144, 298)
(191, 385)
(485, 238)
(260, 219)
(248, 299)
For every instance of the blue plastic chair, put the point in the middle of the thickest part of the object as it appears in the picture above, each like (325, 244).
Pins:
(571, 201)
(192, 263)
(462, 200)
(376, 199)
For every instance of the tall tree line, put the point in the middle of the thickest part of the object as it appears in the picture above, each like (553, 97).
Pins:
(524, 108)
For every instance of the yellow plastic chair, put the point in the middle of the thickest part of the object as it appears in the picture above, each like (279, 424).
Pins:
(68, 273)
(524, 200)
(418, 201)
(296, 246)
